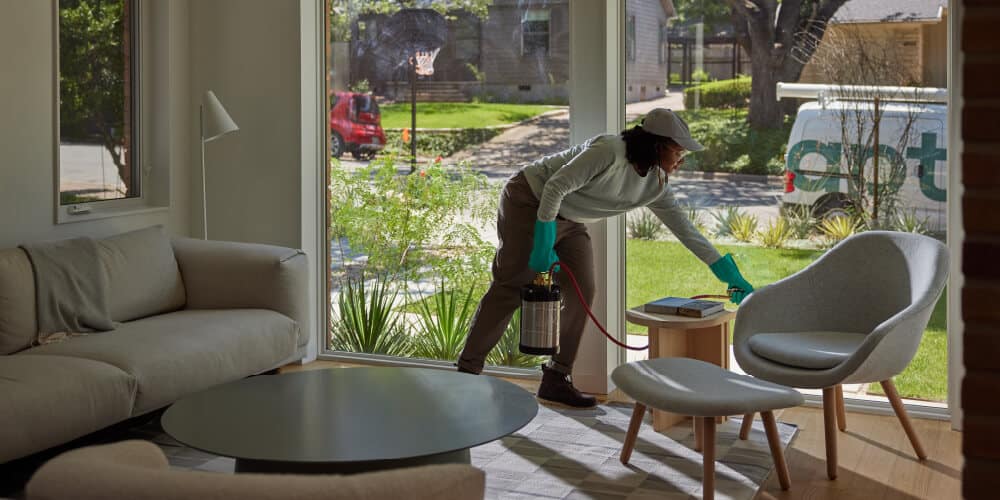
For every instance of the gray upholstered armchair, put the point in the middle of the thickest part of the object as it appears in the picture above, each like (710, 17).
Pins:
(855, 315)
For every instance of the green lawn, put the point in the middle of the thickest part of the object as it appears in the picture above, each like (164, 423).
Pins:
(661, 268)
(459, 114)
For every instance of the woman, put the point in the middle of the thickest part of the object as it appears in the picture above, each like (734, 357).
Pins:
(552, 199)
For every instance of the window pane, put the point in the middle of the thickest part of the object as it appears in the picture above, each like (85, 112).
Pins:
(424, 233)
(96, 100)
(806, 166)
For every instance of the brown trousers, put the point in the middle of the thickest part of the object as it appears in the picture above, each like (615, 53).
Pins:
(515, 229)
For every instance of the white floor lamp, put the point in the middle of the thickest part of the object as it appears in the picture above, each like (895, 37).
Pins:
(215, 123)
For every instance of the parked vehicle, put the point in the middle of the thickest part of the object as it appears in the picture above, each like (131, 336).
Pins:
(355, 125)
(816, 170)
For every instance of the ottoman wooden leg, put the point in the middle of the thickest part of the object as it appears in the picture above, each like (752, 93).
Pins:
(774, 441)
(830, 426)
(633, 432)
(708, 457)
(745, 427)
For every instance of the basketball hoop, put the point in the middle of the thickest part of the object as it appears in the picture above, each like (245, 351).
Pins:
(425, 61)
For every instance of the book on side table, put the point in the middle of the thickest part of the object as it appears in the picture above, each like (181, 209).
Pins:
(679, 306)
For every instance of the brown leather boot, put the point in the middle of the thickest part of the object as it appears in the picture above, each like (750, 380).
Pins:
(557, 387)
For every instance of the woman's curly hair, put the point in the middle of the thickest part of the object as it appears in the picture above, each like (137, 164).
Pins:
(640, 148)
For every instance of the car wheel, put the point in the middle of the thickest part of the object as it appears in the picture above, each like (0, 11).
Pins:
(363, 155)
(833, 207)
(336, 145)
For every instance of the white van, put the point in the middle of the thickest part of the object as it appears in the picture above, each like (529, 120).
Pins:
(816, 171)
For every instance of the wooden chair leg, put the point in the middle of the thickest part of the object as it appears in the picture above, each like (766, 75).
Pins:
(897, 406)
(830, 425)
(708, 457)
(774, 441)
(841, 413)
(745, 427)
(699, 435)
(633, 432)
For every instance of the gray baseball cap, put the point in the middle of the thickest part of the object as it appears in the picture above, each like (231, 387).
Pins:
(666, 123)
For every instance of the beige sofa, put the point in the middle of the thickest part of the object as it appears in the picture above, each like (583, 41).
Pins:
(138, 470)
(190, 314)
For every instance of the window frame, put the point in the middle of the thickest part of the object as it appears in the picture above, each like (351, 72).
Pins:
(630, 33)
(139, 203)
(663, 46)
(547, 33)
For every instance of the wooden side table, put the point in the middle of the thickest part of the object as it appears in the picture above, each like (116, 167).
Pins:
(706, 339)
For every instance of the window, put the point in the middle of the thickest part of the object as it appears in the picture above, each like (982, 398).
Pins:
(98, 100)
(535, 31)
(663, 48)
(630, 38)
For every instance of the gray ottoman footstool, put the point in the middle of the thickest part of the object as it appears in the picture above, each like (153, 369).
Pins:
(704, 391)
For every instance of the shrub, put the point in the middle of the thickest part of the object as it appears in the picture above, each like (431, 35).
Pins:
(776, 234)
(724, 218)
(838, 228)
(744, 227)
(443, 323)
(643, 225)
(908, 222)
(367, 320)
(734, 93)
(424, 222)
(701, 75)
(442, 143)
(694, 216)
(800, 220)
(732, 146)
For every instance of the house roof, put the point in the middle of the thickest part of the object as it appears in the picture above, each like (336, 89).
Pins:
(881, 11)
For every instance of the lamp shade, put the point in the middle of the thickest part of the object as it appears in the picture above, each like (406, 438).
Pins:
(217, 121)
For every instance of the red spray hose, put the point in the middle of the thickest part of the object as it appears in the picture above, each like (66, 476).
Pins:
(586, 307)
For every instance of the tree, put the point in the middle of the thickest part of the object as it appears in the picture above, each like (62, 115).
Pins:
(93, 76)
(780, 36)
(343, 13)
(856, 65)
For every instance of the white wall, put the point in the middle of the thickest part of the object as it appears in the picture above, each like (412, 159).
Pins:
(248, 53)
(27, 131)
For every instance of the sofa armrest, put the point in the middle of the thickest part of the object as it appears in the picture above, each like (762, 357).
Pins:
(229, 275)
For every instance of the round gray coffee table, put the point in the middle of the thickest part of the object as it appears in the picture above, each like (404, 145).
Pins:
(347, 420)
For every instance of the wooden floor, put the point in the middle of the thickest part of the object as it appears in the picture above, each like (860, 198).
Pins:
(876, 460)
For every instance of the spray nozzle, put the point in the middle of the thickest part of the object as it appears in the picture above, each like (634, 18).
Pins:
(543, 279)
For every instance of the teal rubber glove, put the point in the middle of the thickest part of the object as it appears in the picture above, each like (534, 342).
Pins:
(725, 269)
(542, 252)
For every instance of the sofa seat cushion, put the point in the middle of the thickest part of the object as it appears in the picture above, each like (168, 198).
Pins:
(49, 400)
(175, 354)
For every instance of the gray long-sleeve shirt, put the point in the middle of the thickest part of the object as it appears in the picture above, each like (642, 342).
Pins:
(594, 181)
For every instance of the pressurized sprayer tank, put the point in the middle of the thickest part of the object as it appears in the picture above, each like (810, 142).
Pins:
(540, 304)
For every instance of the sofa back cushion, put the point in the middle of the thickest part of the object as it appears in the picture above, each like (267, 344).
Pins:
(142, 274)
(18, 324)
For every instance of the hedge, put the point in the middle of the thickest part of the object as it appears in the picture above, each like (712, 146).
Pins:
(733, 93)
(732, 146)
(441, 142)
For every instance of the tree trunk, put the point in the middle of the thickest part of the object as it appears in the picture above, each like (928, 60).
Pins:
(765, 112)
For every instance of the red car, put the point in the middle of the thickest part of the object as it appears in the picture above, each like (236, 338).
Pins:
(355, 125)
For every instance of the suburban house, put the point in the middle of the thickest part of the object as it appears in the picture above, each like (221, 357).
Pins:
(918, 29)
(513, 54)
(176, 339)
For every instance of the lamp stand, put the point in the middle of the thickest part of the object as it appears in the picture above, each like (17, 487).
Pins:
(204, 188)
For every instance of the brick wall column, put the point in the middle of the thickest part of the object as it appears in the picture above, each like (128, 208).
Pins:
(980, 45)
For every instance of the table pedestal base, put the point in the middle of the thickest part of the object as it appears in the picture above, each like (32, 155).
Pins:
(272, 466)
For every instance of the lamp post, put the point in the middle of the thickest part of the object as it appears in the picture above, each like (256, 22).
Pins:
(214, 122)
